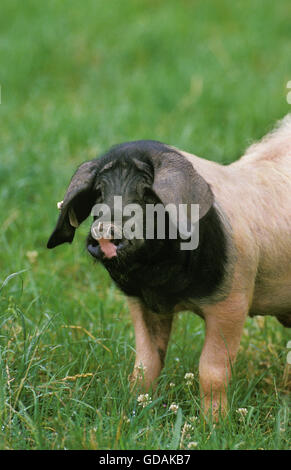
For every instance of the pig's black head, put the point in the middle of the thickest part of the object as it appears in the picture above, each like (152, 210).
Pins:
(123, 182)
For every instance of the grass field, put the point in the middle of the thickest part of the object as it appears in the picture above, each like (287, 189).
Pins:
(76, 78)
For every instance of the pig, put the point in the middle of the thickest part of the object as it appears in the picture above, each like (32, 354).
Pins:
(240, 267)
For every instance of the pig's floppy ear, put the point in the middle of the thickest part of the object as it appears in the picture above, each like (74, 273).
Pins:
(77, 204)
(177, 182)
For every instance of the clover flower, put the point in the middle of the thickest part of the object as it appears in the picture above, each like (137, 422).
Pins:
(242, 412)
(189, 377)
(192, 445)
(174, 407)
(144, 400)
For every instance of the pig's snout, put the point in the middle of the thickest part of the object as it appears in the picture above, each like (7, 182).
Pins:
(109, 238)
(107, 231)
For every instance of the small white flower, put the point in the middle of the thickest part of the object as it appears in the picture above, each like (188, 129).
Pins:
(189, 376)
(193, 419)
(187, 427)
(174, 407)
(192, 445)
(242, 411)
(172, 384)
(144, 400)
(32, 256)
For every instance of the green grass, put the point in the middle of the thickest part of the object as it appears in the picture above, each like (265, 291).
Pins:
(76, 78)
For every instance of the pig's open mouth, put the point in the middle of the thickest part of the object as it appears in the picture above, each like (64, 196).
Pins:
(104, 248)
(105, 240)
(108, 247)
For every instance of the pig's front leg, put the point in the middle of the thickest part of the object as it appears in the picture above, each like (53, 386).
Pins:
(152, 332)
